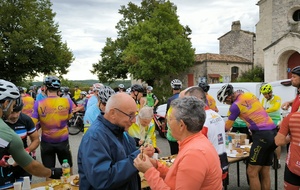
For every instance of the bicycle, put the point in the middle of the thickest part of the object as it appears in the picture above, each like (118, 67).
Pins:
(76, 124)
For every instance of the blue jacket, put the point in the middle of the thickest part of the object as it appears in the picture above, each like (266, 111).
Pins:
(105, 158)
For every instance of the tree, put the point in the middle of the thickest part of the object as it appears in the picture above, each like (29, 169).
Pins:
(151, 44)
(30, 41)
(254, 75)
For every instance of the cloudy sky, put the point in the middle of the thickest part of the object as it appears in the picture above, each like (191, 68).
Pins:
(85, 25)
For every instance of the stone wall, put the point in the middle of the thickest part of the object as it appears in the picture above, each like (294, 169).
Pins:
(237, 42)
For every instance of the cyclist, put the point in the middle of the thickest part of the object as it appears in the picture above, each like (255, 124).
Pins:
(93, 99)
(42, 94)
(53, 114)
(77, 92)
(296, 83)
(28, 102)
(272, 104)
(151, 99)
(176, 86)
(136, 92)
(81, 102)
(93, 111)
(121, 88)
(143, 130)
(11, 143)
(23, 125)
(210, 101)
(248, 108)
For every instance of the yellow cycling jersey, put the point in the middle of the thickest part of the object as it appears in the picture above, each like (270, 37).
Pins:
(272, 107)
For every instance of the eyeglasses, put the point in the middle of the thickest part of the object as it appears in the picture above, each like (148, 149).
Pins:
(131, 116)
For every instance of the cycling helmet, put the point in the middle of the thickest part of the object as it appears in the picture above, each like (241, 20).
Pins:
(121, 86)
(176, 84)
(128, 90)
(266, 89)
(205, 87)
(8, 90)
(66, 89)
(150, 88)
(97, 86)
(83, 93)
(21, 89)
(52, 82)
(105, 93)
(137, 87)
(19, 105)
(296, 70)
(225, 91)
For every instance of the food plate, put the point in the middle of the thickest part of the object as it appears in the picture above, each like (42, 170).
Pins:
(42, 188)
(235, 155)
(244, 146)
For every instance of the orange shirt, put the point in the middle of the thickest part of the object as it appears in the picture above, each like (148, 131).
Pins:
(197, 166)
(290, 125)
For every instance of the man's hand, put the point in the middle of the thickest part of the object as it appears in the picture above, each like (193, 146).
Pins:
(148, 150)
(56, 173)
(142, 163)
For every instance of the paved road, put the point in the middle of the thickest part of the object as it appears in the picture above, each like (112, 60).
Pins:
(164, 146)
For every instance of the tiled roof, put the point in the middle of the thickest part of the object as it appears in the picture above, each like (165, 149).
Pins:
(220, 58)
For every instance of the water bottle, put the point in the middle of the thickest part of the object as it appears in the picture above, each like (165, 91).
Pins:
(237, 139)
(226, 141)
(66, 171)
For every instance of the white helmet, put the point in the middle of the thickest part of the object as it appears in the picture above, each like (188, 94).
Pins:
(121, 86)
(105, 93)
(8, 90)
(176, 84)
(225, 91)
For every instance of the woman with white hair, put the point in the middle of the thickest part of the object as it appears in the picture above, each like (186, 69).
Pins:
(143, 130)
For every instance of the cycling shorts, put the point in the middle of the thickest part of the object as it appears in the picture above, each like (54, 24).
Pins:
(262, 149)
(50, 150)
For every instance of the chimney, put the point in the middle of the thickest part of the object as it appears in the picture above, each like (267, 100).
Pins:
(236, 26)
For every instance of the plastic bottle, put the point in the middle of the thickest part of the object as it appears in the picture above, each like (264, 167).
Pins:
(238, 139)
(66, 171)
(226, 141)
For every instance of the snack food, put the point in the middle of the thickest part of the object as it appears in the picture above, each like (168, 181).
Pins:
(76, 180)
(63, 187)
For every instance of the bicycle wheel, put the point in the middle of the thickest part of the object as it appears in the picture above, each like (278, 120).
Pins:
(75, 128)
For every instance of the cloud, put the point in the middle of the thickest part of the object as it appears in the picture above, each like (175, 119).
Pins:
(85, 25)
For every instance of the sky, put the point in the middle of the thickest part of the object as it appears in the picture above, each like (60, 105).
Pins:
(85, 25)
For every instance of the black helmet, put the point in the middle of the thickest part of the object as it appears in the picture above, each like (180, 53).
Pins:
(52, 82)
(225, 91)
(19, 105)
(21, 89)
(205, 87)
(137, 87)
(296, 70)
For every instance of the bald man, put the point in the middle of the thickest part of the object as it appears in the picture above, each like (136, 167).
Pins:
(106, 152)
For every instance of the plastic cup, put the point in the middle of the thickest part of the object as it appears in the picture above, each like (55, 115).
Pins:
(18, 186)
(155, 156)
(246, 141)
(230, 146)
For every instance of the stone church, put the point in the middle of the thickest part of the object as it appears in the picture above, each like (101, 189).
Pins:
(277, 43)
(275, 46)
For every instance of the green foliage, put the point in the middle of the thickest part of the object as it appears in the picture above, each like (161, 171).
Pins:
(254, 75)
(30, 43)
(151, 44)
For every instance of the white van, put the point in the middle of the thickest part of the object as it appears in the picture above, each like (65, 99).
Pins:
(282, 88)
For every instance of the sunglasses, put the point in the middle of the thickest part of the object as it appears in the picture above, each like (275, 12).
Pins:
(131, 116)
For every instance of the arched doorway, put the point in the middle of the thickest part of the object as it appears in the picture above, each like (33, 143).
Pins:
(293, 61)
